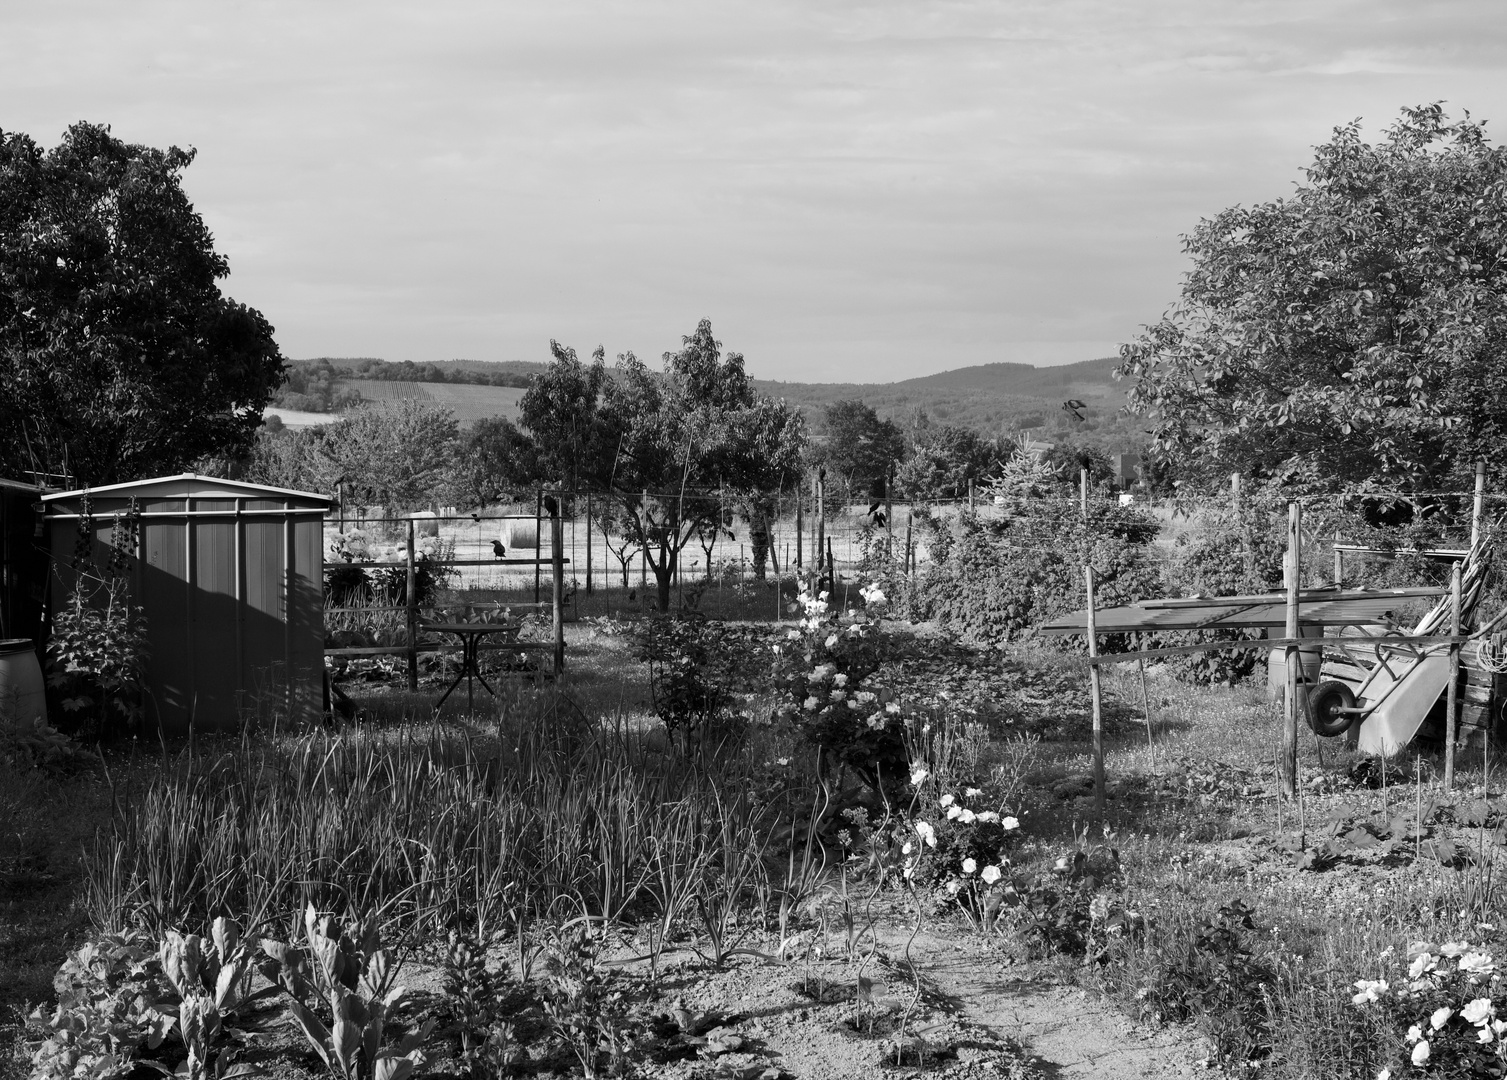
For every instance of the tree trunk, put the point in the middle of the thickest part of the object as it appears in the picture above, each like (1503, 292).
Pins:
(759, 513)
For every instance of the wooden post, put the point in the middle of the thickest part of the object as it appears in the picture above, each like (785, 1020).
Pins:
(1339, 562)
(1235, 492)
(538, 542)
(588, 545)
(1452, 691)
(800, 524)
(643, 563)
(1093, 690)
(1293, 658)
(557, 591)
(908, 518)
(972, 497)
(1480, 504)
(889, 515)
(821, 523)
(1083, 492)
(411, 594)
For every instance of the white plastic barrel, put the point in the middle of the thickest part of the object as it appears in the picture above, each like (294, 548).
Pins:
(1310, 660)
(22, 694)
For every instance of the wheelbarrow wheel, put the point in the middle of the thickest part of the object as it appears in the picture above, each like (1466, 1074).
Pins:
(1326, 703)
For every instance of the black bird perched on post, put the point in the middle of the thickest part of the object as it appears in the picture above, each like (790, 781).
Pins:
(1071, 407)
(551, 507)
(499, 549)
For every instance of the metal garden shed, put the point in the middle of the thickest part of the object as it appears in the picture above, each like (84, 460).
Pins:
(228, 576)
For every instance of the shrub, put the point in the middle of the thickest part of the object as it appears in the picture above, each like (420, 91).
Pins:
(96, 659)
(992, 581)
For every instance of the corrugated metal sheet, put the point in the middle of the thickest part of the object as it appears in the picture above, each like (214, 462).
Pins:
(1315, 608)
(228, 576)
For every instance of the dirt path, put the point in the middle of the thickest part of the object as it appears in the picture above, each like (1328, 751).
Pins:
(1071, 1032)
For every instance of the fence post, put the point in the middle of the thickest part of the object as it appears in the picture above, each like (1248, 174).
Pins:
(557, 564)
(1339, 561)
(411, 591)
(800, 523)
(1093, 693)
(972, 497)
(1293, 657)
(1452, 703)
(588, 545)
(1480, 503)
(1083, 493)
(538, 542)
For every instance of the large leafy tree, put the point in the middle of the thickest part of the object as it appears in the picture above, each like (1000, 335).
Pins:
(119, 356)
(674, 448)
(860, 450)
(1352, 335)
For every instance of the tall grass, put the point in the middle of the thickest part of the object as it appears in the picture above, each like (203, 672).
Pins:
(433, 828)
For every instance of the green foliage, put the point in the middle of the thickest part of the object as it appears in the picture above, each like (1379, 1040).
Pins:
(583, 1000)
(477, 1000)
(113, 999)
(119, 357)
(826, 670)
(673, 447)
(942, 459)
(312, 386)
(1349, 334)
(96, 659)
(1073, 909)
(396, 453)
(352, 978)
(992, 581)
(1213, 976)
(860, 451)
(492, 457)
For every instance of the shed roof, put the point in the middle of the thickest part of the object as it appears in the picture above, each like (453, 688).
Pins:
(1316, 607)
(194, 486)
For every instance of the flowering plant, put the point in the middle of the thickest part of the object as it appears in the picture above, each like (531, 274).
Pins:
(827, 667)
(972, 855)
(1449, 997)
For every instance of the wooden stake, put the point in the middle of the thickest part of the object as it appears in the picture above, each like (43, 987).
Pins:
(411, 589)
(1480, 504)
(588, 545)
(1293, 657)
(538, 542)
(557, 591)
(1451, 703)
(1093, 690)
(1339, 565)
(1146, 703)
(1083, 492)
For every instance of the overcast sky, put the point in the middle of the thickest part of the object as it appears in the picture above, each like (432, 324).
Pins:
(855, 192)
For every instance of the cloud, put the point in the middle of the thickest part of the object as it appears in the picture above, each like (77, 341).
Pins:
(849, 190)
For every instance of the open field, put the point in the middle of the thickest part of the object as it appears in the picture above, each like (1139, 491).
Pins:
(468, 403)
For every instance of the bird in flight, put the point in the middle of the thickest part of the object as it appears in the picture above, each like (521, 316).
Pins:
(1071, 407)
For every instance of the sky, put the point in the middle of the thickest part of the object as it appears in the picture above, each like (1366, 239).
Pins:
(857, 192)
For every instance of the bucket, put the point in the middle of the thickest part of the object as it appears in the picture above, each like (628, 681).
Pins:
(1310, 660)
(522, 535)
(22, 694)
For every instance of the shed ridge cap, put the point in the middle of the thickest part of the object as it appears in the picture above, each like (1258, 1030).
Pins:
(245, 487)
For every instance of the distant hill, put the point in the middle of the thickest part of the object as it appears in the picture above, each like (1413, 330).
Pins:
(989, 398)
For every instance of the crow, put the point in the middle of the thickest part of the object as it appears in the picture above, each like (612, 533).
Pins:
(499, 549)
(1071, 407)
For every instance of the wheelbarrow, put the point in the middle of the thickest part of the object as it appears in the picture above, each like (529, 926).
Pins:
(1389, 703)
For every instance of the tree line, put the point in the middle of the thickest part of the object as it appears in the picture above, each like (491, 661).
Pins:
(1347, 337)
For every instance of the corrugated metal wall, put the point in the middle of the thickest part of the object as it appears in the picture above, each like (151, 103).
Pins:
(229, 579)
